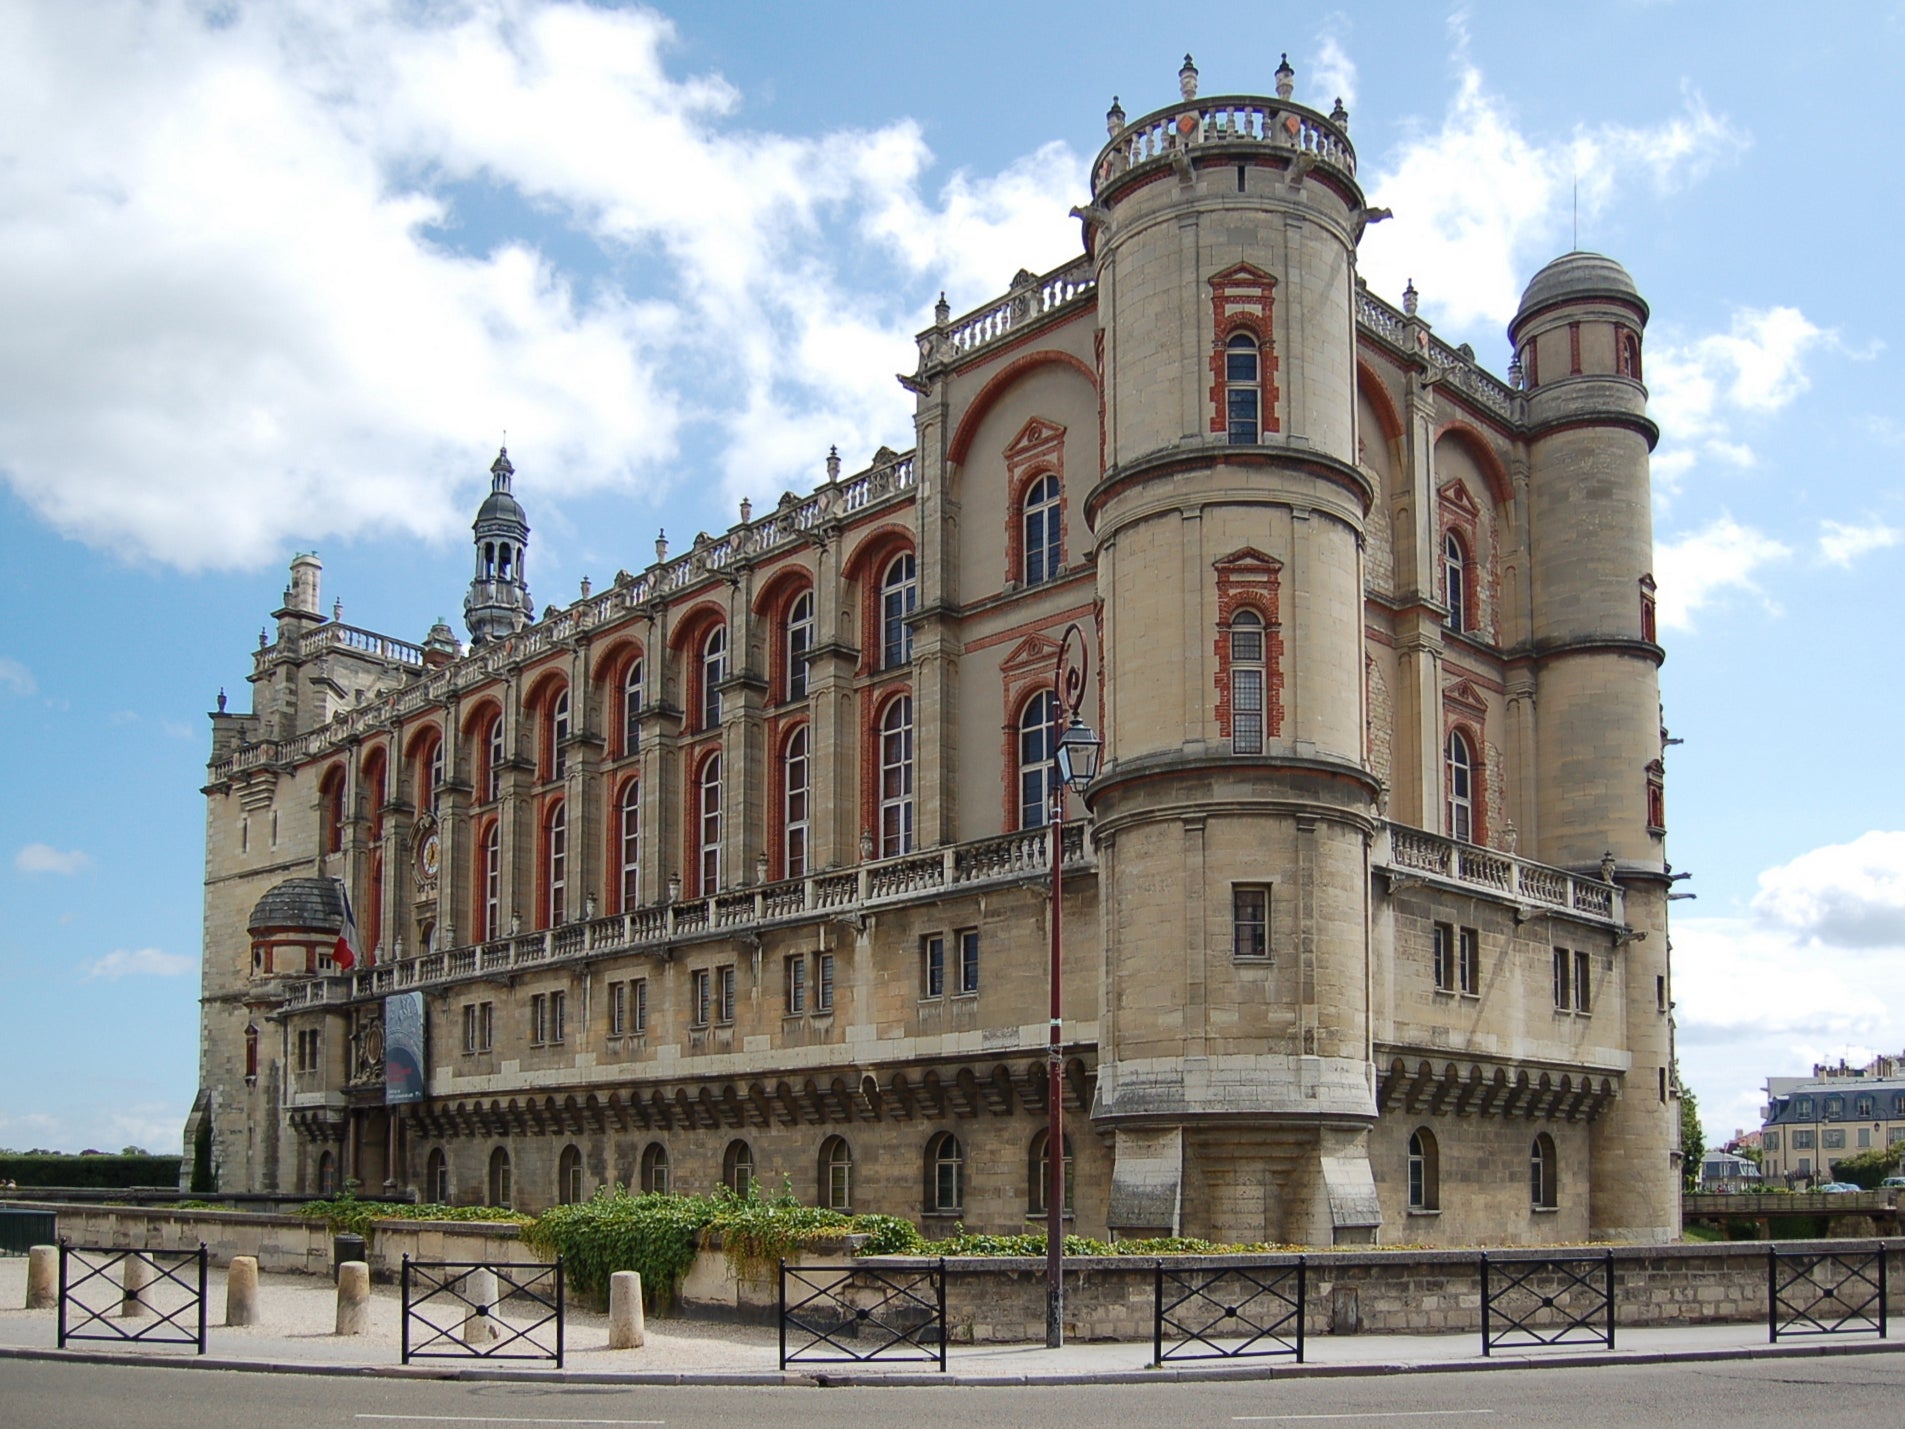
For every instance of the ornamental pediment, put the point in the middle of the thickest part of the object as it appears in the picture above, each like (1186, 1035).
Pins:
(1454, 494)
(1464, 695)
(1035, 652)
(1036, 435)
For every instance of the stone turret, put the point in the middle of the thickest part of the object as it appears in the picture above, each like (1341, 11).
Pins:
(498, 604)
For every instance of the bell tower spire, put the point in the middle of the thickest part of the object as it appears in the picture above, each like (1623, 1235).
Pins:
(498, 604)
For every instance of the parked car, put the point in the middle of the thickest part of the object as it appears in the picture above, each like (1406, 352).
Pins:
(1837, 1186)
(1891, 1182)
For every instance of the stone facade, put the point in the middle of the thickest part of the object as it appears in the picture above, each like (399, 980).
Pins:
(740, 867)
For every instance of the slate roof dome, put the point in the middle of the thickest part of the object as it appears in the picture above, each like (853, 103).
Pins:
(1576, 276)
(313, 903)
(501, 506)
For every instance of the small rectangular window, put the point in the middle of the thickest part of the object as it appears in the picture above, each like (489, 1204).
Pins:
(618, 1009)
(1444, 956)
(795, 980)
(1660, 994)
(1470, 957)
(1249, 921)
(1582, 973)
(1834, 1138)
(469, 1028)
(1865, 1137)
(638, 1005)
(702, 997)
(823, 983)
(558, 1008)
(1802, 1141)
(932, 965)
(1772, 1140)
(1663, 1083)
(538, 1020)
(1894, 1135)
(969, 961)
(1805, 1166)
(1563, 980)
(724, 994)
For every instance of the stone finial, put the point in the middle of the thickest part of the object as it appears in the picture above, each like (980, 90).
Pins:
(1114, 118)
(1515, 376)
(1286, 79)
(674, 887)
(1607, 866)
(747, 511)
(942, 310)
(661, 545)
(515, 922)
(586, 587)
(760, 868)
(1339, 116)
(833, 453)
(1186, 80)
(263, 639)
(588, 907)
(221, 699)
(1410, 298)
(866, 845)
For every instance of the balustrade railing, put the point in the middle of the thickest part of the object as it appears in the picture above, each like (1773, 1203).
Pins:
(1502, 873)
(1034, 297)
(1223, 119)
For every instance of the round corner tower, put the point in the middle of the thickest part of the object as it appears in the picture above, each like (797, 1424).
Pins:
(1597, 658)
(1236, 809)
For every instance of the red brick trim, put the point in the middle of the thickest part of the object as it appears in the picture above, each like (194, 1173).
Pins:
(1649, 609)
(1574, 349)
(1485, 457)
(1459, 516)
(1656, 797)
(774, 607)
(968, 428)
(1038, 449)
(1377, 391)
(1242, 299)
(1249, 579)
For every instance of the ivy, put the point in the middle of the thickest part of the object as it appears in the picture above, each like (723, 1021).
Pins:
(347, 1215)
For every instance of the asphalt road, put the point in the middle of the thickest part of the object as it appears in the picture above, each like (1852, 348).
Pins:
(1866, 1390)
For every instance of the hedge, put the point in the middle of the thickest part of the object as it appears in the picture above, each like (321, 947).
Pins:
(111, 1172)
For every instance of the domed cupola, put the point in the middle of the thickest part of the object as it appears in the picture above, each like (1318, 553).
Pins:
(498, 604)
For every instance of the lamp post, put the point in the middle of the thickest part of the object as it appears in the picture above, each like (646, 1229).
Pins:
(1075, 750)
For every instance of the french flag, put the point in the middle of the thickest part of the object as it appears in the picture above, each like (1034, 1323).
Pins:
(345, 953)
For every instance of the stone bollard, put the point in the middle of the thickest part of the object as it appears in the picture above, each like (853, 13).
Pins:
(479, 1327)
(628, 1330)
(241, 1291)
(137, 1275)
(43, 1277)
(353, 1298)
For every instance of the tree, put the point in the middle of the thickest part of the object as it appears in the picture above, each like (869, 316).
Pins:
(1693, 1143)
(1866, 1169)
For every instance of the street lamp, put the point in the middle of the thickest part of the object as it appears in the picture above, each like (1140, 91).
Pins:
(1075, 750)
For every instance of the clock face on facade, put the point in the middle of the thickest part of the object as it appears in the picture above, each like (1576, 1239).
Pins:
(429, 856)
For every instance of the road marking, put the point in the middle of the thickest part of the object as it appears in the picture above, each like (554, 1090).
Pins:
(478, 1419)
(1378, 1414)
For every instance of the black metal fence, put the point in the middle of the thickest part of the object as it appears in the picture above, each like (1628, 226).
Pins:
(21, 1230)
(1824, 1293)
(482, 1310)
(1229, 1311)
(148, 1297)
(1552, 1300)
(835, 1314)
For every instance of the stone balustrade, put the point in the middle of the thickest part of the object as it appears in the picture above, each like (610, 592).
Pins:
(1030, 298)
(1224, 119)
(1522, 881)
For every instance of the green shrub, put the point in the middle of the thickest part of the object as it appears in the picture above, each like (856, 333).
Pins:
(654, 1235)
(347, 1215)
(108, 1172)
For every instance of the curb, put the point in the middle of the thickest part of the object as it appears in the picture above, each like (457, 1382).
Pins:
(912, 1379)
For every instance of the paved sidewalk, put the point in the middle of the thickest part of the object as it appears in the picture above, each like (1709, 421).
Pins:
(297, 1315)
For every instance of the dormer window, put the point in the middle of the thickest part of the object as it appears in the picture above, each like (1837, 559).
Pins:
(1243, 390)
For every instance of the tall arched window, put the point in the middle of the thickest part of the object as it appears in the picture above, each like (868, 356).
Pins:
(1037, 774)
(1455, 580)
(437, 1178)
(632, 692)
(655, 1169)
(1243, 390)
(492, 884)
(708, 825)
(569, 1176)
(555, 759)
(836, 1174)
(556, 836)
(945, 1175)
(899, 593)
(1246, 682)
(800, 639)
(1041, 530)
(1541, 1174)
(493, 759)
(331, 811)
(1038, 1173)
(737, 1167)
(794, 776)
(375, 794)
(714, 666)
(501, 1193)
(1425, 1171)
(1459, 772)
(896, 778)
(433, 773)
(629, 845)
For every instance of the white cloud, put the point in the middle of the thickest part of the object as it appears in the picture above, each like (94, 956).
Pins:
(44, 858)
(1842, 543)
(138, 962)
(16, 678)
(1699, 568)
(1480, 205)
(246, 303)
(1843, 895)
(1703, 391)
(1332, 73)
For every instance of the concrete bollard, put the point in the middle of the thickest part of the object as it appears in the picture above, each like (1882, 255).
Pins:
(353, 1298)
(628, 1329)
(137, 1274)
(479, 1326)
(241, 1291)
(43, 1277)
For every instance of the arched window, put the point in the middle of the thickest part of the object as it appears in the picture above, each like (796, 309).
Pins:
(436, 1178)
(1037, 773)
(556, 845)
(251, 1055)
(1041, 530)
(896, 778)
(555, 759)
(708, 822)
(655, 1169)
(1243, 390)
(836, 1174)
(1459, 771)
(794, 775)
(327, 1175)
(569, 1176)
(374, 793)
(500, 1191)
(714, 665)
(632, 692)
(1455, 581)
(1246, 682)
(331, 811)
(1038, 1173)
(433, 773)
(899, 593)
(491, 922)
(945, 1175)
(629, 845)
(737, 1167)
(800, 639)
(1541, 1174)
(1425, 1171)
(493, 759)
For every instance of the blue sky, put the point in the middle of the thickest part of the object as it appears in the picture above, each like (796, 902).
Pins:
(277, 277)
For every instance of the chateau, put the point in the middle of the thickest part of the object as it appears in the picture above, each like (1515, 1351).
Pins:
(739, 867)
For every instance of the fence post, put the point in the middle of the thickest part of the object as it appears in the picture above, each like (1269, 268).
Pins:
(1157, 1312)
(1881, 1290)
(404, 1280)
(1772, 1294)
(203, 1267)
(945, 1330)
(1610, 1297)
(1302, 1301)
(781, 1318)
(1484, 1304)
(559, 1312)
(64, 1247)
